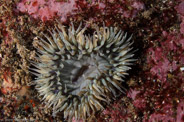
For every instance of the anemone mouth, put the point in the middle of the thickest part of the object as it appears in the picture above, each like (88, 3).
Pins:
(79, 74)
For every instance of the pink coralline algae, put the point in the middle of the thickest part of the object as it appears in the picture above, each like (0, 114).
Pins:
(166, 58)
(155, 100)
(165, 115)
(138, 5)
(180, 111)
(180, 10)
(163, 84)
(132, 94)
(118, 113)
(47, 9)
(75, 9)
(138, 102)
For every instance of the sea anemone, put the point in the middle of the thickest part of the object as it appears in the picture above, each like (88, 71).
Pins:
(78, 73)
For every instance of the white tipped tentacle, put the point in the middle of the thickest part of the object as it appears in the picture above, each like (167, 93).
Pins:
(78, 73)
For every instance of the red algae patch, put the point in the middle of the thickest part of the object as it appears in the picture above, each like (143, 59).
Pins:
(47, 9)
(180, 111)
(180, 8)
(7, 85)
(166, 58)
(80, 9)
(166, 115)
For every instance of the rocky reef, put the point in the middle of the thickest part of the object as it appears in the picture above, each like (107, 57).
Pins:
(155, 85)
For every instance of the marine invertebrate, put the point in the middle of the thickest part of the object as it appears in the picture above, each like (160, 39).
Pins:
(78, 73)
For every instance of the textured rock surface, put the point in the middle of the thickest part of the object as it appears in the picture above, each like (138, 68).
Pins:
(156, 86)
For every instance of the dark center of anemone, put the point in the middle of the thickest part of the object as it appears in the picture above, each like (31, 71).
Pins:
(82, 70)
(77, 73)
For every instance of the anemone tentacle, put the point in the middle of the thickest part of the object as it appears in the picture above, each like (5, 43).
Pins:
(79, 74)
